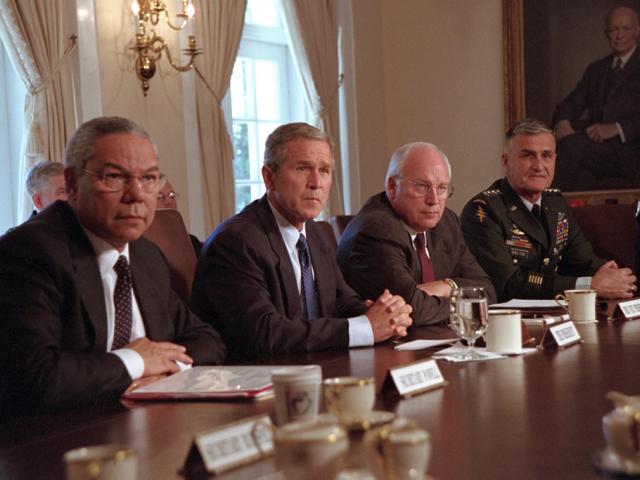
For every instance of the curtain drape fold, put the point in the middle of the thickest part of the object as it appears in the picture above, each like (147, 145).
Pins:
(218, 31)
(313, 28)
(33, 33)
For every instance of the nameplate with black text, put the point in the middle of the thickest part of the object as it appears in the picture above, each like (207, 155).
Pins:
(416, 377)
(561, 335)
(232, 445)
(630, 308)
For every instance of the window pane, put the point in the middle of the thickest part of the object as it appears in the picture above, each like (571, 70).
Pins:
(263, 13)
(268, 90)
(242, 88)
(243, 196)
(241, 170)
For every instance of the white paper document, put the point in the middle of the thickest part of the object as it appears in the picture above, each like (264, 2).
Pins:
(450, 354)
(424, 344)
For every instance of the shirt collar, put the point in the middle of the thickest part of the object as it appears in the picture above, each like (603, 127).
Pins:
(625, 58)
(529, 204)
(290, 234)
(106, 254)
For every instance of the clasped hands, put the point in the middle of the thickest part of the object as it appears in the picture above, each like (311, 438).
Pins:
(389, 316)
(598, 132)
(613, 282)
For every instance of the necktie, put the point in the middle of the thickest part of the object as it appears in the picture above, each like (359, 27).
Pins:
(535, 211)
(617, 68)
(425, 262)
(122, 302)
(308, 287)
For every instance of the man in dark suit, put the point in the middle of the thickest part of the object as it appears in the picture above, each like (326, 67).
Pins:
(45, 184)
(86, 304)
(523, 233)
(405, 238)
(598, 124)
(266, 278)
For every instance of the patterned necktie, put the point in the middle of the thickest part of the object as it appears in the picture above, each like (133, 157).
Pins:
(308, 287)
(122, 302)
(425, 262)
(617, 68)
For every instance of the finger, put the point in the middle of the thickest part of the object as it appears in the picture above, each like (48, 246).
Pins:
(169, 347)
(400, 331)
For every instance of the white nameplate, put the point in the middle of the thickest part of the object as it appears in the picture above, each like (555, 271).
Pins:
(630, 308)
(417, 377)
(235, 444)
(565, 334)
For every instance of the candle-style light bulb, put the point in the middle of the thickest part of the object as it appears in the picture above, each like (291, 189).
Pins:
(190, 10)
(135, 7)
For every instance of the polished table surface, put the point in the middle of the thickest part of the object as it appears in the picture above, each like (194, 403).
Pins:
(533, 416)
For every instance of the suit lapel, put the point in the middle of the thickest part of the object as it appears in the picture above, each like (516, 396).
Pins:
(87, 278)
(146, 294)
(284, 267)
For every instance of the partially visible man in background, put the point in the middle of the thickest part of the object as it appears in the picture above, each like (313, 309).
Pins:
(45, 184)
(168, 198)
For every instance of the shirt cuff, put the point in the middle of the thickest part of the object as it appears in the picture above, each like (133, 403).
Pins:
(132, 360)
(583, 283)
(360, 332)
(621, 133)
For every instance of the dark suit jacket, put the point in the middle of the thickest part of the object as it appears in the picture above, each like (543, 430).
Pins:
(524, 258)
(619, 103)
(54, 327)
(245, 287)
(375, 253)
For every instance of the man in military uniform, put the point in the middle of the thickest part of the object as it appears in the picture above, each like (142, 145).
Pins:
(523, 233)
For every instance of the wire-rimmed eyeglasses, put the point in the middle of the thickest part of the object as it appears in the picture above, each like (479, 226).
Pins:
(421, 189)
(116, 181)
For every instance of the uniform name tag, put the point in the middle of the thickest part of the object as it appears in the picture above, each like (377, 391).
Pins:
(565, 334)
(231, 445)
(416, 377)
(630, 308)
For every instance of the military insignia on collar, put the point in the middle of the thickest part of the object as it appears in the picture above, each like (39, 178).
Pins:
(554, 191)
(512, 208)
(516, 231)
(494, 192)
(480, 213)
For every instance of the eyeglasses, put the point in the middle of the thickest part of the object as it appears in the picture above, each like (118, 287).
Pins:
(171, 195)
(420, 189)
(116, 181)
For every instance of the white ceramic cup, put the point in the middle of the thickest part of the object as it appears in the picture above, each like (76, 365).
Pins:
(621, 432)
(581, 304)
(101, 462)
(297, 392)
(349, 398)
(313, 448)
(405, 450)
(504, 331)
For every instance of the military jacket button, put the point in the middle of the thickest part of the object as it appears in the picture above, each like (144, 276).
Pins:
(546, 261)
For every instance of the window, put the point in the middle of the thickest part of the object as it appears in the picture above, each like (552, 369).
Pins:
(12, 95)
(266, 91)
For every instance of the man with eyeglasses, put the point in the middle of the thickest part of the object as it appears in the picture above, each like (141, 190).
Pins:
(86, 305)
(523, 233)
(406, 240)
(598, 125)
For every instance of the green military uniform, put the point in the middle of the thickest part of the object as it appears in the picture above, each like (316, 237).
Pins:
(526, 257)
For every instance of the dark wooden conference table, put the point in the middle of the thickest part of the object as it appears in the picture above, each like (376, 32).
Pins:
(533, 416)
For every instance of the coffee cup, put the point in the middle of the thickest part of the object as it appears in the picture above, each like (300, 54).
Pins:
(297, 392)
(101, 462)
(349, 398)
(581, 304)
(314, 447)
(404, 450)
(504, 331)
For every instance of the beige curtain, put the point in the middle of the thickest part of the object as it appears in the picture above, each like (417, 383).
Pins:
(218, 31)
(32, 31)
(313, 28)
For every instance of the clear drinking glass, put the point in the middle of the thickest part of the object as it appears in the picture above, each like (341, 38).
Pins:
(468, 317)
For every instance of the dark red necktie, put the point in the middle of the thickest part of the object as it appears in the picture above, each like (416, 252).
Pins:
(122, 303)
(425, 263)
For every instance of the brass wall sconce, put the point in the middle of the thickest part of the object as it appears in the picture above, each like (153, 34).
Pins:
(148, 47)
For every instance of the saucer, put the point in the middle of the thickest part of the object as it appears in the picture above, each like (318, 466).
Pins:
(603, 465)
(369, 420)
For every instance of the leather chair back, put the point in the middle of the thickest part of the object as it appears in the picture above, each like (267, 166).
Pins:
(170, 234)
(339, 223)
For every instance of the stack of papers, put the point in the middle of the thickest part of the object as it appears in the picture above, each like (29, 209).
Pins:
(210, 382)
(451, 354)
